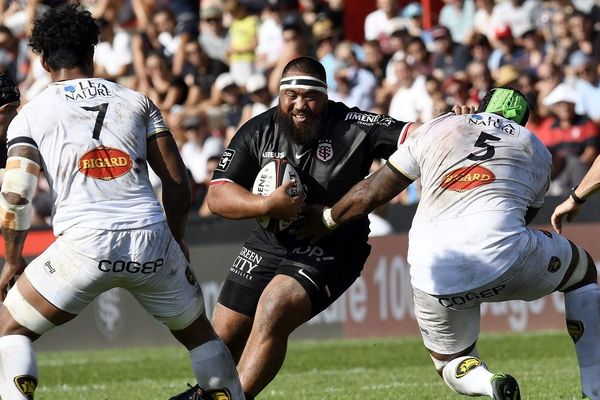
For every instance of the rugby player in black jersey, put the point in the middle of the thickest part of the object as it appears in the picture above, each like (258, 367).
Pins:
(277, 282)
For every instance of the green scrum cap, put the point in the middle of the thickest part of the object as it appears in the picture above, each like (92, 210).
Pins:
(508, 103)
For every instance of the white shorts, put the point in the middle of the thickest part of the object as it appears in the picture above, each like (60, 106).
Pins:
(83, 263)
(450, 323)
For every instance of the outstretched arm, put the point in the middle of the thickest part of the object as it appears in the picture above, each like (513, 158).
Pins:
(368, 194)
(569, 208)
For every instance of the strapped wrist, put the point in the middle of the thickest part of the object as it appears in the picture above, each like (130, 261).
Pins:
(576, 198)
(328, 220)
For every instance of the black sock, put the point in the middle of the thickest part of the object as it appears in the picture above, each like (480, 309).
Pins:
(248, 396)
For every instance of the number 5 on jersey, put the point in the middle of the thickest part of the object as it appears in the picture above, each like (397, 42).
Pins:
(481, 142)
(101, 109)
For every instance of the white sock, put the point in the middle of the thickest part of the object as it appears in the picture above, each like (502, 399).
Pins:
(468, 375)
(582, 308)
(18, 369)
(214, 368)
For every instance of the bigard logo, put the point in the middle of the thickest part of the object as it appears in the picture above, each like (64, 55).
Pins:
(26, 385)
(105, 163)
(467, 365)
(467, 178)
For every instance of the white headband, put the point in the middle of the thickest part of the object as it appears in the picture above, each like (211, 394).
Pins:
(303, 82)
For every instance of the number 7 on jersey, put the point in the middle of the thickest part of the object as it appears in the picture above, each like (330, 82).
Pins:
(101, 108)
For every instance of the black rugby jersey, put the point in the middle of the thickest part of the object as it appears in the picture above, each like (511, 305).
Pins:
(341, 156)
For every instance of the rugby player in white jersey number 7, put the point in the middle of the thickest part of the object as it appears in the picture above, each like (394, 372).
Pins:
(94, 140)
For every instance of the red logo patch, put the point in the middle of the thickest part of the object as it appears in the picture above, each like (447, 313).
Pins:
(467, 178)
(105, 163)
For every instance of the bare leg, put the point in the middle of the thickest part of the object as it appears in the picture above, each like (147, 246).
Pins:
(233, 327)
(283, 306)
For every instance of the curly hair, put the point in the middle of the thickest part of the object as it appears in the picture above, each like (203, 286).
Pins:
(65, 37)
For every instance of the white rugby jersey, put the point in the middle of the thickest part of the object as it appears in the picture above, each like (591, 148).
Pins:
(479, 175)
(92, 135)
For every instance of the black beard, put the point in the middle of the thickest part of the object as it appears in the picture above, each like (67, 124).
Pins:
(305, 135)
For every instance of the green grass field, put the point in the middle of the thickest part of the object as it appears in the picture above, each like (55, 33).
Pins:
(544, 364)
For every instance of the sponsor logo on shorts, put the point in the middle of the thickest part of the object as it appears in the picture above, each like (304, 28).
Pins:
(26, 385)
(105, 163)
(467, 365)
(575, 329)
(225, 160)
(245, 263)
(324, 150)
(460, 299)
(467, 178)
(554, 264)
(315, 252)
(189, 275)
(49, 268)
(133, 267)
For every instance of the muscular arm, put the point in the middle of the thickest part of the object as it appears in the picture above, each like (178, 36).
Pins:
(164, 158)
(230, 200)
(369, 194)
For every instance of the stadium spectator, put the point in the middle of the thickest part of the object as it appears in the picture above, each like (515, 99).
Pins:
(260, 98)
(458, 16)
(270, 36)
(113, 57)
(166, 89)
(115, 211)
(482, 20)
(506, 52)
(418, 57)
(409, 99)
(213, 34)
(566, 131)
(518, 15)
(14, 58)
(294, 45)
(504, 259)
(199, 146)
(243, 40)
(200, 72)
(447, 57)
(355, 85)
(378, 24)
(287, 285)
(583, 75)
(534, 51)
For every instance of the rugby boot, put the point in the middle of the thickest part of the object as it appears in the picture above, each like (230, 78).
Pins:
(197, 393)
(505, 387)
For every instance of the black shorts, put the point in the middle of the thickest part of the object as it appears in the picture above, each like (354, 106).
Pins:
(325, 272)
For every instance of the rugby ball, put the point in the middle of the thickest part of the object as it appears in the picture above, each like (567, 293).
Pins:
(272, 175)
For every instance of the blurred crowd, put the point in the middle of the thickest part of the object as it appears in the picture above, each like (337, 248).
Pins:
(211, 65)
